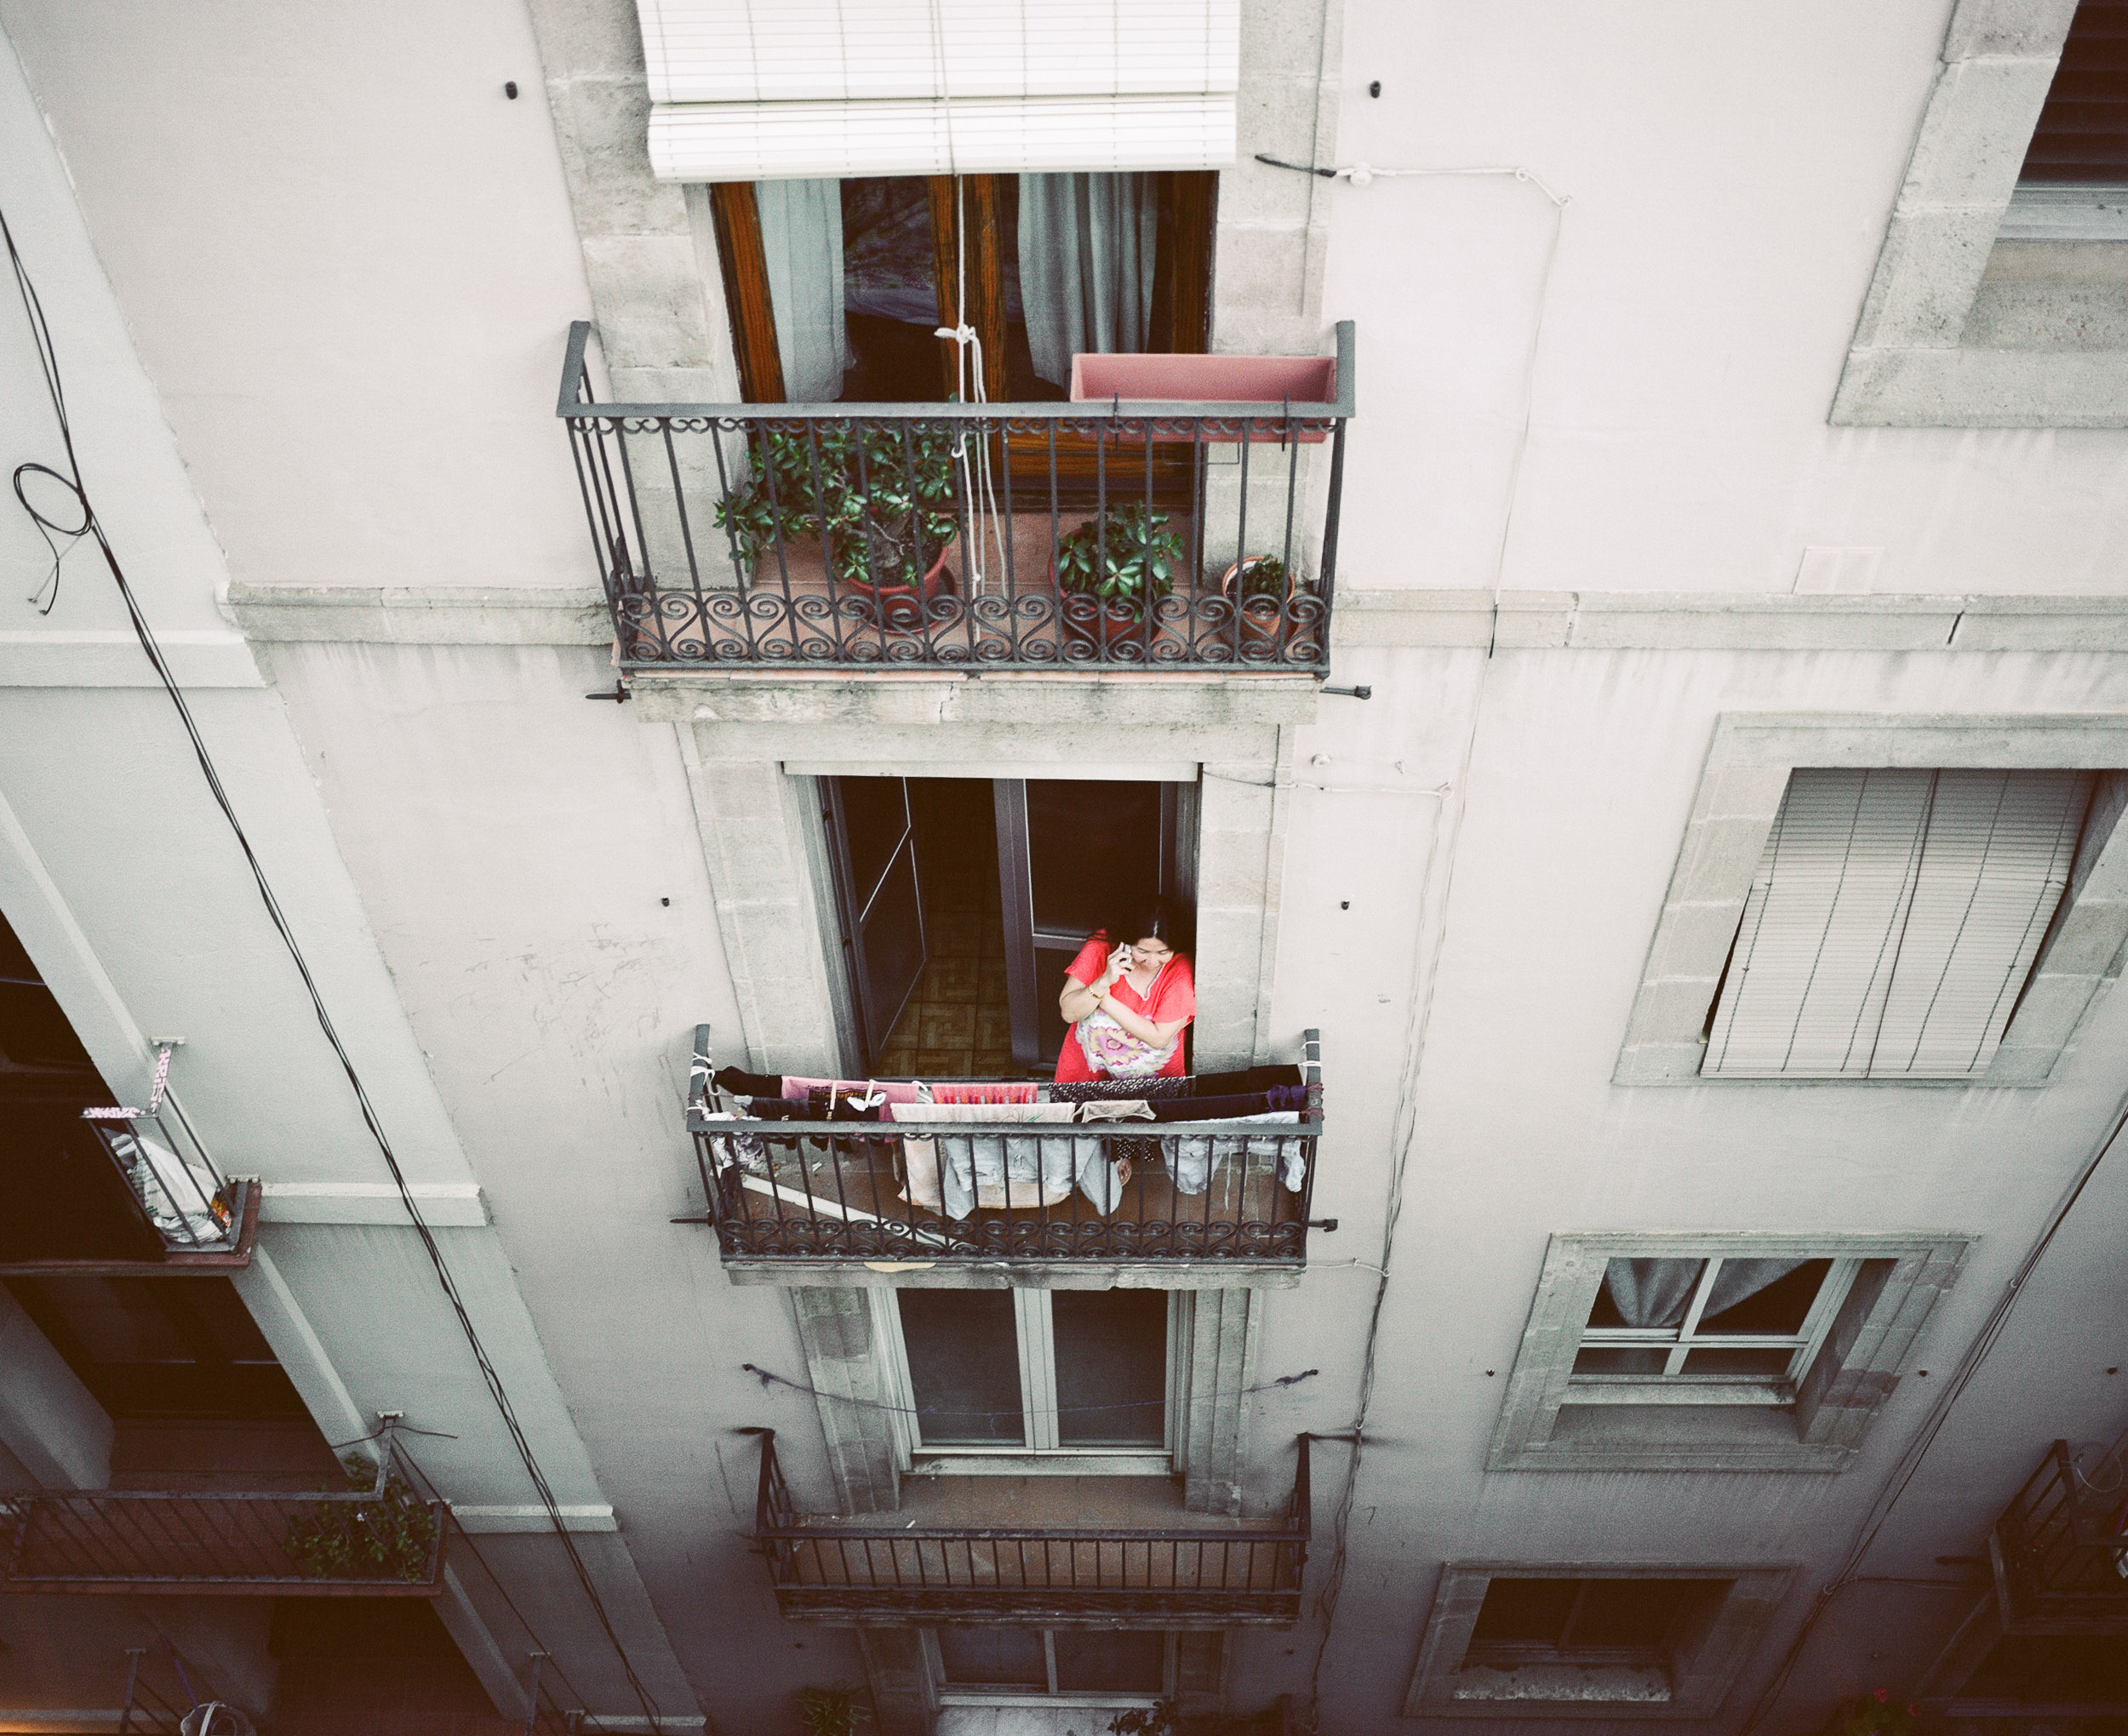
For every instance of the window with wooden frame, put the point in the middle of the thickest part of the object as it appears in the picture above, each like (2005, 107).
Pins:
(1587, 1639)
(1079, 1382)
(998, 1665)
(838, 290)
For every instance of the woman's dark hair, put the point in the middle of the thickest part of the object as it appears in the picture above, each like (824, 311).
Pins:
(1154, 919)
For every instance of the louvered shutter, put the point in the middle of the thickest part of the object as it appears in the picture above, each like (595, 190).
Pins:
(769, 90)
(1993, 872)
(1892, 921)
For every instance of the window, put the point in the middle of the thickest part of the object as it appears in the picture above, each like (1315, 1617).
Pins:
(1893, 921)
(2074, 186)
(1686, 1330)
(977, 1666)
(1967, 323)
(1065, 1380)
(1865, 896)
(1748, 1351)
(1590, 1640)
(837, 287)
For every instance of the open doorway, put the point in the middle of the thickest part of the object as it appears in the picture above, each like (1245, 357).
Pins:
(959, 902)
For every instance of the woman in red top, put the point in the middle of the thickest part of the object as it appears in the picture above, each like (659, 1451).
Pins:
(1127, 1004)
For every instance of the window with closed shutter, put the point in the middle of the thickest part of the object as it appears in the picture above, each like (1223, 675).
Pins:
(810, 88)
(2082, 137)
(1893, 922)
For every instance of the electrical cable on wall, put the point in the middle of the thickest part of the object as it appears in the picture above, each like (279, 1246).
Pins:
(1909, 1462)
(91, 527)
(1361, 174)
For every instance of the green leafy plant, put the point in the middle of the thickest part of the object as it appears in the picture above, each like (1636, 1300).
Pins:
(1261, 576)
(1130, 560)
(388, 1537)
(830, 1711)
(1162, 1720)
(884, 499)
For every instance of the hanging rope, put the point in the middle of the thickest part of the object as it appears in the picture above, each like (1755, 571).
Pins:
(976, 483)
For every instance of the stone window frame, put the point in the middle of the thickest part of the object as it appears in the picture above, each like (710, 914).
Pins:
(1909, 364)
(1740, 791)
(1854, 1374)
(1706, 1669)
(849, 1365)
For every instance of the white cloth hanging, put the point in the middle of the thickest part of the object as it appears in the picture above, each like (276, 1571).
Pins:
(1658, 1292)
(802, 244)
(1086, 250)
(1193, 1157)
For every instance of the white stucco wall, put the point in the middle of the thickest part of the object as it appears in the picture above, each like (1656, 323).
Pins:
(1731, 176)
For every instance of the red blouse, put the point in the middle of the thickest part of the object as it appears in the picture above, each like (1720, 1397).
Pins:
(1173, 996)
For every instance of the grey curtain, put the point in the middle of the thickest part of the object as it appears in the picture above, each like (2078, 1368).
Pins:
(1658, 1292)
(802, 239)
(1086, 248)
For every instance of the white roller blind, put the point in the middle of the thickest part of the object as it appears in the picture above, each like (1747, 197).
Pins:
(1892, 922)
(763, 90)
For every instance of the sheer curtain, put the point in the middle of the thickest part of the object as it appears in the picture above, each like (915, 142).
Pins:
(1086, 248)
(1658, 1292)
(802, 239)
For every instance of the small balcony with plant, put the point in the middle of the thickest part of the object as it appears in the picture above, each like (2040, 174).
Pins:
(1177, 514)
(367, 1528)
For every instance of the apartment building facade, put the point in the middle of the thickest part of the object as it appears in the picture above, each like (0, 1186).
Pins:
(706, 545)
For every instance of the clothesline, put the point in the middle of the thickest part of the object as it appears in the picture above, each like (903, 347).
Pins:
(769, 1378)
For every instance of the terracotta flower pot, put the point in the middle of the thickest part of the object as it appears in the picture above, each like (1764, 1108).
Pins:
(900, 608)
(1263, 620)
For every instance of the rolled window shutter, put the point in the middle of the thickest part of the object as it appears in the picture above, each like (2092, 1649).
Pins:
(1812, 963)
(742, 90)
(1892, 922)
(1993, 872)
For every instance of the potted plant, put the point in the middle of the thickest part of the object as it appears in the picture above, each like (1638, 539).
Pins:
(1113, 572)
(884, 507)
(1258, 588)
(387, 1537)
(830, 1711)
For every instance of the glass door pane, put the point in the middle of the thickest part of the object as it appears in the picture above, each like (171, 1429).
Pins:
(964, 1355)
(993, 1658)
(1101, 1661)
(1112, 1366)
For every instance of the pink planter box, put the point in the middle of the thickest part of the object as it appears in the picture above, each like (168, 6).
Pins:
(1210, 381)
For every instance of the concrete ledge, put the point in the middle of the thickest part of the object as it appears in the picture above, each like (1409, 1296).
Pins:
(1147, 700)
(1595, 620)
(423, 614)
(445, 1205)
(532, 1518)
(1973, 387)
(1656, 621)
(113, 658)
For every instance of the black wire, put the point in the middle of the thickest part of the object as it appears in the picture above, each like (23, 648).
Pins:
(1909, 1463)
(767, 1378)
(539, 1642)
(49, 361)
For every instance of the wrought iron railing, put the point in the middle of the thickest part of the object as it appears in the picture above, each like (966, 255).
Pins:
(2060, 1552)
(1172, 536)
(882, 1566)
(386, 1541)
(831, 1191)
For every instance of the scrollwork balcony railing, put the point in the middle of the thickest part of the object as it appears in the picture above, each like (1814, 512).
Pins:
(1189, 535)
(820, 1193)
